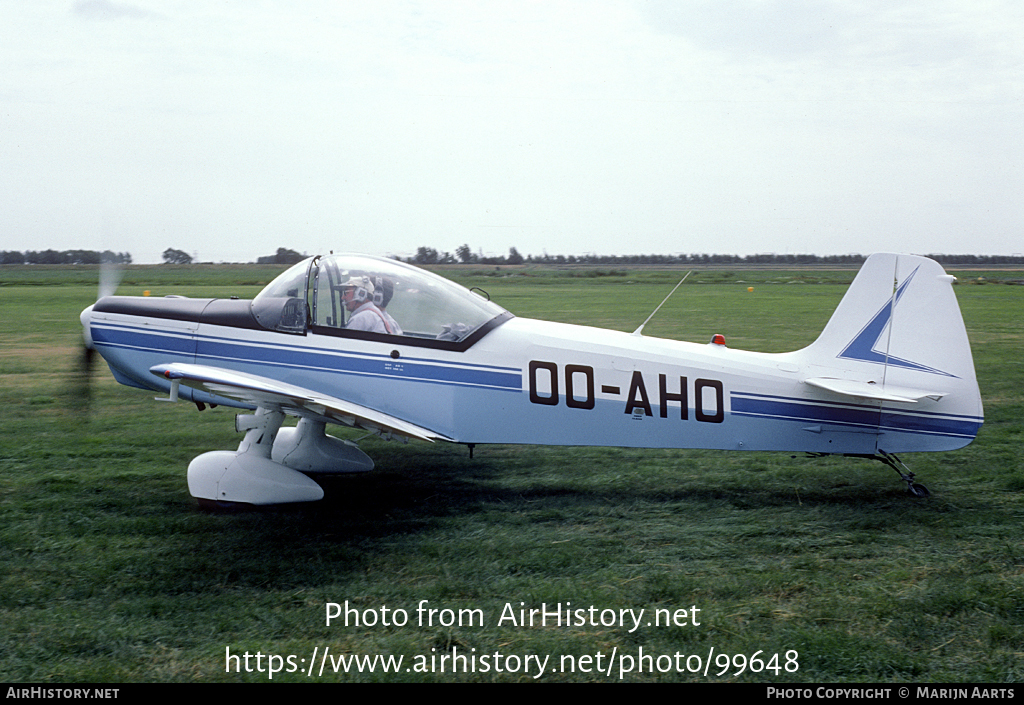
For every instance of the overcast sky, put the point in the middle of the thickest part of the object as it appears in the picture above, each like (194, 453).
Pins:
(229, 129)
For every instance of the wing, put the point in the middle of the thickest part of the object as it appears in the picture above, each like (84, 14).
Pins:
(289, 398)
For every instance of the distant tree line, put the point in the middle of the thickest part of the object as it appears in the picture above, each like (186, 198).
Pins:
(173, 256)
(977, 260)
(64, 257)
(465, 255)
(282, 256)
(169, 256)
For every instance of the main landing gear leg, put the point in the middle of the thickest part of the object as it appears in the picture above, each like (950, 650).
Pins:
(895, 463)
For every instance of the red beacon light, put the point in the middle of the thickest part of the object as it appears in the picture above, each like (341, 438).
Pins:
(718, 339)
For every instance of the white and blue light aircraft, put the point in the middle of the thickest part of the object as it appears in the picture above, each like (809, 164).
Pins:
(892, 372)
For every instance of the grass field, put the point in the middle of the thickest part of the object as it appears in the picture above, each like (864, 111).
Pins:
(109, 572)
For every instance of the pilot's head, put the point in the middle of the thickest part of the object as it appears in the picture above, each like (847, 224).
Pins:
(356, 292)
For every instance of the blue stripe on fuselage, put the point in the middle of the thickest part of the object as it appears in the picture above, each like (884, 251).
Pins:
(217, 349)
(854, 416)
(132, 338)
(378, 365)
(931, 424)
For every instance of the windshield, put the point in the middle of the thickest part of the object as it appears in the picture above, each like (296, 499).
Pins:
(334, 294)
(281, 306)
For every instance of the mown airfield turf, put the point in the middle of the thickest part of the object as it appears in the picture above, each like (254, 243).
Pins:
(109, 572)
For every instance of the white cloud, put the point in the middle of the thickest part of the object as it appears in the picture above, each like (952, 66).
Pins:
(107, 10)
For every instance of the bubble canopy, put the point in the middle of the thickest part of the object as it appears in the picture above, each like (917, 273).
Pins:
(424, 308)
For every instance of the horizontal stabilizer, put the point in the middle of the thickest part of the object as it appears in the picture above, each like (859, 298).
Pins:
(870, 390)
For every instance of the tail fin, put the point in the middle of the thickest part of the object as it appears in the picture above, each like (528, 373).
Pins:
(898, 338)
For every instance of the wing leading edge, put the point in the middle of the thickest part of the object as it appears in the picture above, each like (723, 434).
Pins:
(289, 398)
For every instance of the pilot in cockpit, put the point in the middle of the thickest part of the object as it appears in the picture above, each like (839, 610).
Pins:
(358, 296)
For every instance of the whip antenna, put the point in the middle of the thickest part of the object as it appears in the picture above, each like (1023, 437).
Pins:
(637, 331)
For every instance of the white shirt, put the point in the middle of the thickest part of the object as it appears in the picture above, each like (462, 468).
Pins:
(367, 317)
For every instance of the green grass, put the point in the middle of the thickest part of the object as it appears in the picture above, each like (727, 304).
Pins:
(110, 573)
